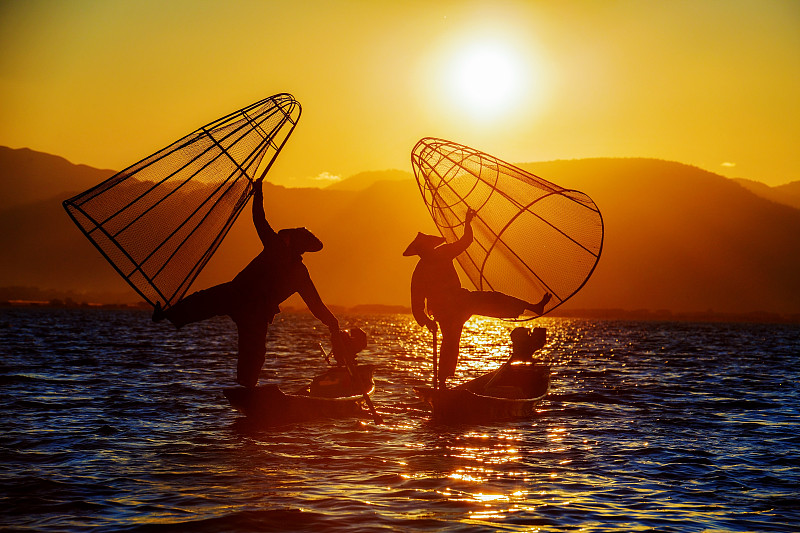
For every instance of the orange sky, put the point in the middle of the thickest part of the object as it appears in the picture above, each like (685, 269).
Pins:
(709, 83)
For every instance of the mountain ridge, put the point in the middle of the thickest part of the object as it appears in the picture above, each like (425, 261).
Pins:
(786, 194)
(29, 176)
(678, 238)
(362, 180)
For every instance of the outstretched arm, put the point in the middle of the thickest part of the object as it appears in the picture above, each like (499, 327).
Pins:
(458, 247)
(264, 230)
(308, 292)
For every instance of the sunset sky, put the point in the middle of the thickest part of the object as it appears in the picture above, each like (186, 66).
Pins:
(710, 83)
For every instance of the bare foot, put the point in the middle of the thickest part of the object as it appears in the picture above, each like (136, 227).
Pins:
(539, 308)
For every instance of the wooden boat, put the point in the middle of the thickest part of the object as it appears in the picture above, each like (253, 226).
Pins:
(330, 395)
(513, 391)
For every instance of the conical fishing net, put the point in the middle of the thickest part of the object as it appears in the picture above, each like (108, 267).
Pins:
(159, 221)
(530, 236)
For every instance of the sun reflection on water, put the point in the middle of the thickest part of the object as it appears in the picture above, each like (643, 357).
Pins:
(488, 474)
(159, 449)
(498, 470)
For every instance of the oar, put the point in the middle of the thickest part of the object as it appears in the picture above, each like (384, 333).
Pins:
(325, 354)
(349, 363)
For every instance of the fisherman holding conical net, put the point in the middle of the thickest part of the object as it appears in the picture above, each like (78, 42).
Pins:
(438, 301)
(159, 221)
(252, 298)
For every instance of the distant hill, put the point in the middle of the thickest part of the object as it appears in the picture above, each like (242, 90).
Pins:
(362, 180)
(677, 238)
(787, 194)
(43, 248)
(364, 234)
(680, 238)
(28, 176)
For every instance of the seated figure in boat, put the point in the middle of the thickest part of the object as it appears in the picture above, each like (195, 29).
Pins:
(524, 342)
(521, 377)
(251, 299)
(337, 381)
(437, 296)
(351, 343)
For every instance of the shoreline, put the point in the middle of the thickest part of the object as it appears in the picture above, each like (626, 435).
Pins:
(639, 315)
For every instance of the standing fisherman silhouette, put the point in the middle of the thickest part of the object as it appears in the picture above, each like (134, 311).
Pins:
(251, 299)
(436, 291)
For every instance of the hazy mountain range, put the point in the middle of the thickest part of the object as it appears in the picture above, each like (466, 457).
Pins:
(787, 194)
(677, 238)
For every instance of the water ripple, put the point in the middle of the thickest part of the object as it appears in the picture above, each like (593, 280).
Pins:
(113, 423)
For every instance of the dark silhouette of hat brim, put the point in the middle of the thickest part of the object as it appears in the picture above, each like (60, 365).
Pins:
(302, 240)
(423, 242)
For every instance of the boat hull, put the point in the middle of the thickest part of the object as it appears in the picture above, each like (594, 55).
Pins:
(512, 394)
(328, 396)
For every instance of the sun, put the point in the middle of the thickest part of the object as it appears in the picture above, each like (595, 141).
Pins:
(487, 78)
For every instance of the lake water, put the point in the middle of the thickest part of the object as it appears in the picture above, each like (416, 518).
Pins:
(113, 423)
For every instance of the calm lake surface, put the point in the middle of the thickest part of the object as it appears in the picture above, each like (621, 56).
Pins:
(113, 423)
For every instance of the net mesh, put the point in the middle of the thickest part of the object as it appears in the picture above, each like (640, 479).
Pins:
(530, 236)
(159, 221)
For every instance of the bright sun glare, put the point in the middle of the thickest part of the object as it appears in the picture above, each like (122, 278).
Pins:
(487, 78)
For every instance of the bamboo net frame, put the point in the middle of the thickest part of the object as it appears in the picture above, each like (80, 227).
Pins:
(159, 221)
(531, 236)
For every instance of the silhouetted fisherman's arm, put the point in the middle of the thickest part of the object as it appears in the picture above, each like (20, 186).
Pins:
(461, 245)
(264, 230)
(311, 297)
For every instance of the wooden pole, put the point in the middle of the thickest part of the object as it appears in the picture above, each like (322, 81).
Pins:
(435, 361)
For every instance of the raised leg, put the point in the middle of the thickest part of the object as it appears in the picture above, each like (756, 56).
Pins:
(198, 306)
